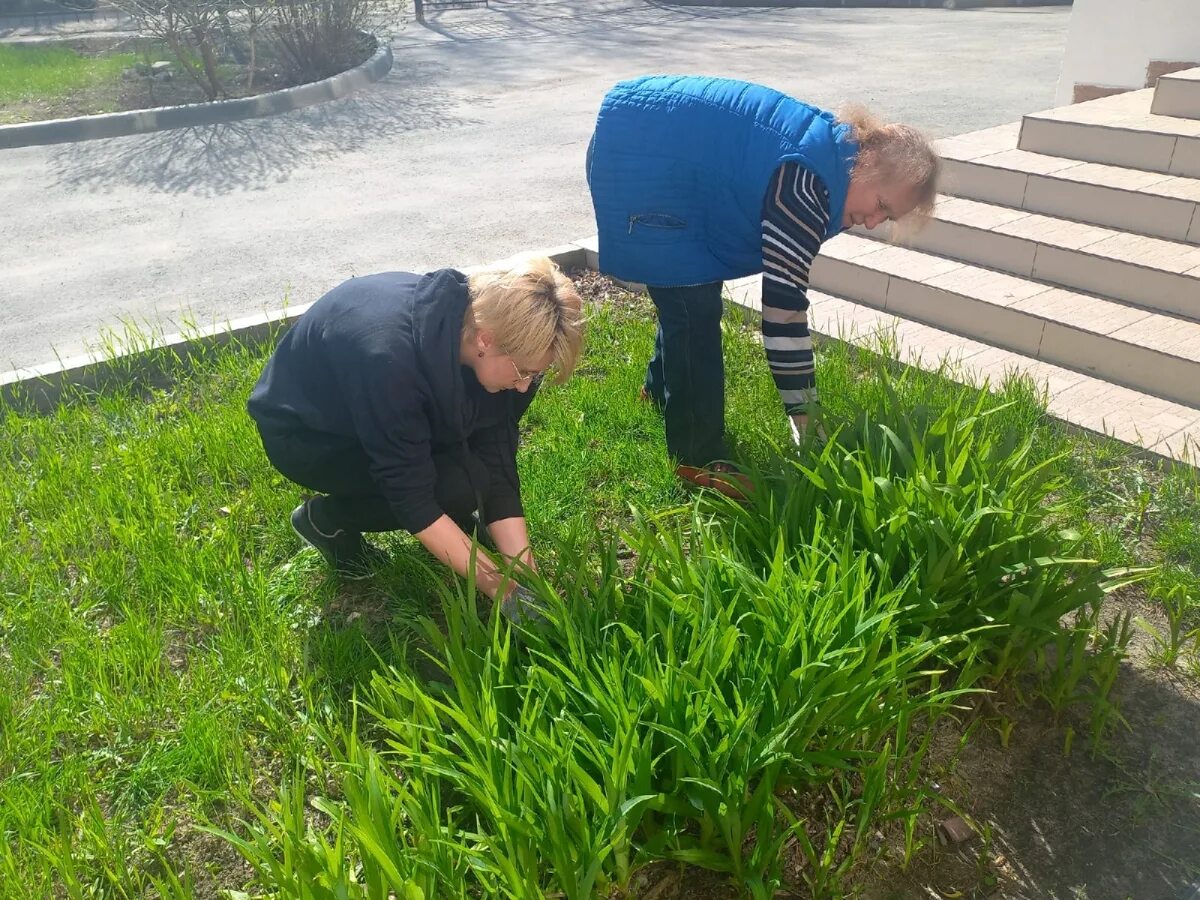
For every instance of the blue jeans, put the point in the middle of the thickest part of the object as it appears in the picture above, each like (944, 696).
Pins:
(686, 375)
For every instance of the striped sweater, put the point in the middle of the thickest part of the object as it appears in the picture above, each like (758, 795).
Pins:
(794, 222)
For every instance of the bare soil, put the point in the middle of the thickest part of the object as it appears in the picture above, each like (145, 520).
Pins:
(1057, 820)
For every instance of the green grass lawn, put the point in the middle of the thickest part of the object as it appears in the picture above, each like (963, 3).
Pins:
(34, 73)
(170, 657)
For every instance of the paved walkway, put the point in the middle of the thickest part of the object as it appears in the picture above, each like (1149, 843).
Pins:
(472, 149)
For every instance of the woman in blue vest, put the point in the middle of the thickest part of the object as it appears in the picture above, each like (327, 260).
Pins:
(698, 180)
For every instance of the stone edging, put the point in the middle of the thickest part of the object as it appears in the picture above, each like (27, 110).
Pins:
(39, 388)
(139, 121)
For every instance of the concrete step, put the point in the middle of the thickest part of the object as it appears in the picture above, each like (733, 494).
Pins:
(1178, 94)
(1165, 428)
(1168, 429)
(1147, 351)
(1117, 131)
(1157, 274)
(988, 166)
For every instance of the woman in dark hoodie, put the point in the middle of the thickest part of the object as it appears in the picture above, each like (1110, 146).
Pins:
(397, 398)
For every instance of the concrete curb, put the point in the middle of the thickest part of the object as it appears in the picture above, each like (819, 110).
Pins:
(39, 389)
(140, 121)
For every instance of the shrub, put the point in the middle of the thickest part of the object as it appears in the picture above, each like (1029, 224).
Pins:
(313, 38)
(319, 38)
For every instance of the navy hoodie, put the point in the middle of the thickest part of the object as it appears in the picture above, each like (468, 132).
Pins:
(375, 361)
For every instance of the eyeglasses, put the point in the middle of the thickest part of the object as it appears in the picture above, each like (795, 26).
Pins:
(524, 376)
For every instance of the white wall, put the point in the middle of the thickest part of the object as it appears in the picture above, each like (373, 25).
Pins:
(1110, 42)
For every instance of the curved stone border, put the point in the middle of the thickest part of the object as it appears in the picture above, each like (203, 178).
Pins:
(139, 121)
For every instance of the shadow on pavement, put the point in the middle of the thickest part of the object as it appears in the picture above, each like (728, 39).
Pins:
(566, 18)
(254, 153)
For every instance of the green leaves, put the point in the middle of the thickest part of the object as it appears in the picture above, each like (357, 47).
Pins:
(725, 686)
(659, 719)
(950, 500)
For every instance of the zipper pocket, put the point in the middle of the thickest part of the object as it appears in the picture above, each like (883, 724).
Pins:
(656, 220)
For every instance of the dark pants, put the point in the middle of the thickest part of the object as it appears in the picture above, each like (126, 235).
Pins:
(341, 470)
(686, 375)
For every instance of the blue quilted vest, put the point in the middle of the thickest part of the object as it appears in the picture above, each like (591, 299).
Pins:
(678, 167)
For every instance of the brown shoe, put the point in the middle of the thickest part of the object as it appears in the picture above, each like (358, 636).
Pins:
(719, 476)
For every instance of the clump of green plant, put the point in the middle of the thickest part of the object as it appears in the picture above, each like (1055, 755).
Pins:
(747, 655)
(660, 716)
(950, 502)
(1179, 610)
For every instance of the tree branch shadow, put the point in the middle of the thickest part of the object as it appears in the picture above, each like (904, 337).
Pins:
(506, 20)
(254, 153)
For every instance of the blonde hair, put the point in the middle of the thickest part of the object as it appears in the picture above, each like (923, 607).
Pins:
(530, 308)
(893, 154)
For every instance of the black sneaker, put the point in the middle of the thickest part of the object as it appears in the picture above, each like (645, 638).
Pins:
(345, 551)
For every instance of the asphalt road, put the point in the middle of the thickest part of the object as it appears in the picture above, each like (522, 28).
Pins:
(470, 150)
